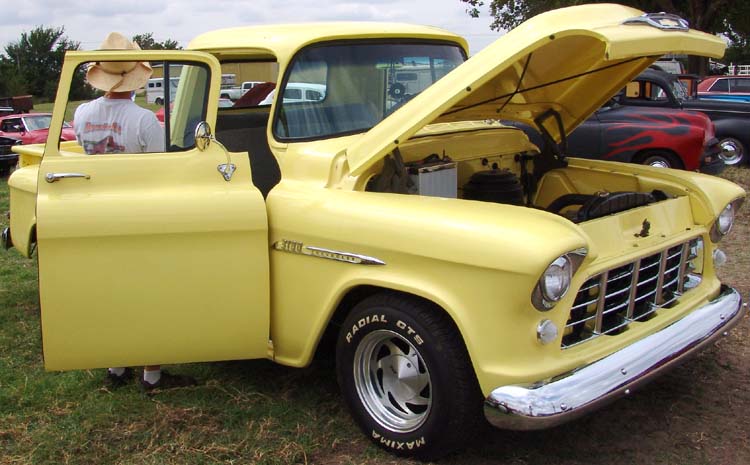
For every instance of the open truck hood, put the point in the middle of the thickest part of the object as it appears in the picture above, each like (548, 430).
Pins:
(569, 60)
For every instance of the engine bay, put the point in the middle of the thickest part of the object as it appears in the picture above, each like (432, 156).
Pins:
(441, 165)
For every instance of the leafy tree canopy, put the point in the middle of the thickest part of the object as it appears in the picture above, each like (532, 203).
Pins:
(714, 16)
(728, 17)
(33, 63)
(147, 42)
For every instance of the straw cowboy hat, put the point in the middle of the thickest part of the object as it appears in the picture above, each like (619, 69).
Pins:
(118, 76)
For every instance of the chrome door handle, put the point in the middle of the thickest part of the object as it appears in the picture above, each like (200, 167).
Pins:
(52, 177)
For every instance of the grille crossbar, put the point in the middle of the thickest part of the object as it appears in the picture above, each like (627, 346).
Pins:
(607, 303)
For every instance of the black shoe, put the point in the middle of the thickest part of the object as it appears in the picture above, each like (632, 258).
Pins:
(114, 381)
(168, 381)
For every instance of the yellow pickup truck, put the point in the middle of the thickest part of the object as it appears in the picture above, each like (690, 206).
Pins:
(461, 272)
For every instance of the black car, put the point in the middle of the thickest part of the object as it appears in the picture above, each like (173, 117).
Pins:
(654, 88)
(8, 159)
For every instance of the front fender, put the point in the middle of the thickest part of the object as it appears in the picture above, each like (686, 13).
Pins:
(708, 194)
(476, 260)
(23, 190)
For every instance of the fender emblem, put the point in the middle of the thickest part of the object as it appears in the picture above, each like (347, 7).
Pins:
(295, 247)
(645, 228)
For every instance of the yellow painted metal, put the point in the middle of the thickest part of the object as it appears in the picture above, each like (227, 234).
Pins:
(158, 249)
(560, 47)
(22, 184)
(154, 258)
(282, 41)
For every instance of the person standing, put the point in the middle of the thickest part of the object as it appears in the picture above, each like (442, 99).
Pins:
(113, 124)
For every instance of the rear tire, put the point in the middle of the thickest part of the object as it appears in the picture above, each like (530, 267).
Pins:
(159, 101)
(406, 377)
(733, 151)
(661, 159)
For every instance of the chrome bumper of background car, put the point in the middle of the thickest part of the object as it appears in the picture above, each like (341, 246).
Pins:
(580, 391)
(5, 240)
(712, 161)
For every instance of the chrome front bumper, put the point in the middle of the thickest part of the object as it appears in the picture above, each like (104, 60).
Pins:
(585, 389)
(5, 239)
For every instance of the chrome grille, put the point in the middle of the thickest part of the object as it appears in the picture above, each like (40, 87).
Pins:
(606, 304)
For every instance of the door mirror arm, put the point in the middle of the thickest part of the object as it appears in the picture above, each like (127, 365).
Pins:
(203, 138)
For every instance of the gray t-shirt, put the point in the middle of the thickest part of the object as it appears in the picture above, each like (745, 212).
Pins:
(109, 125)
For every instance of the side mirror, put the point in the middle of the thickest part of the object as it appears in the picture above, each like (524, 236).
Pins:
(203, 136)
(203, 139)
(18, 128)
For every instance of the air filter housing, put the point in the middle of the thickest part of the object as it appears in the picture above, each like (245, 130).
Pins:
(499, 186)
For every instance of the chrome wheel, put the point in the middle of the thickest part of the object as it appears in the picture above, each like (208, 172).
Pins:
(661, 159)
(659, 164)
(732, 151)
(392, 381)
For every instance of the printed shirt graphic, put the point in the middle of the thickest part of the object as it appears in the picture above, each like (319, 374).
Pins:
(105, 126)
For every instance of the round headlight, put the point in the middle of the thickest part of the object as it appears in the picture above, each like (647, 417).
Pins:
(726, 220)
(555, 281)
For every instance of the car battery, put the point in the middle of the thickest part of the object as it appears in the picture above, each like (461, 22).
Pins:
(435, 179)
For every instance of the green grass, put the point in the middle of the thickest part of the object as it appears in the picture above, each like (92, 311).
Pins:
(242, 412)
(70, 110)
(255, 412)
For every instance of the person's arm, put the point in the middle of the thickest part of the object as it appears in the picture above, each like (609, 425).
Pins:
(78, 128)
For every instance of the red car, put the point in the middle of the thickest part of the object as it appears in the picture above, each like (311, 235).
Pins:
(31, 128)
(732, 88)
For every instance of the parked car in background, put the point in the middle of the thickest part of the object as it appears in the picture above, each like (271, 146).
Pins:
(298, 92)
(32, 128)
(649, 136)
(733, 88)
(455, 271)
(8, 159)
(653, 88)
(247, 85)
(231, 93)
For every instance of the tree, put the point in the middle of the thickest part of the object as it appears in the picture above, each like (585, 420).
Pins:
(33, 63)
(731, 18)
(147, 42)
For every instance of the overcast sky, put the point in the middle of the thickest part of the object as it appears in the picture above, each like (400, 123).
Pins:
(89, 21)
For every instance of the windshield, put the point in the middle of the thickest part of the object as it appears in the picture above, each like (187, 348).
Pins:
(346, 88)
(34, 123)
(680, 90)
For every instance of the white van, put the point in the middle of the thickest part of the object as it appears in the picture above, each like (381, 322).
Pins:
(299, 92)
(155, 91)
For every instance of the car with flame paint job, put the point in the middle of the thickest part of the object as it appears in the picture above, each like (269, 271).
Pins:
(651, 136)
(462, 273)
(657, 89)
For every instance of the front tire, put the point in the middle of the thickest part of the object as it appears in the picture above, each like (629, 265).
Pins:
(661, 159)
(159, 101)
(406, 376)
